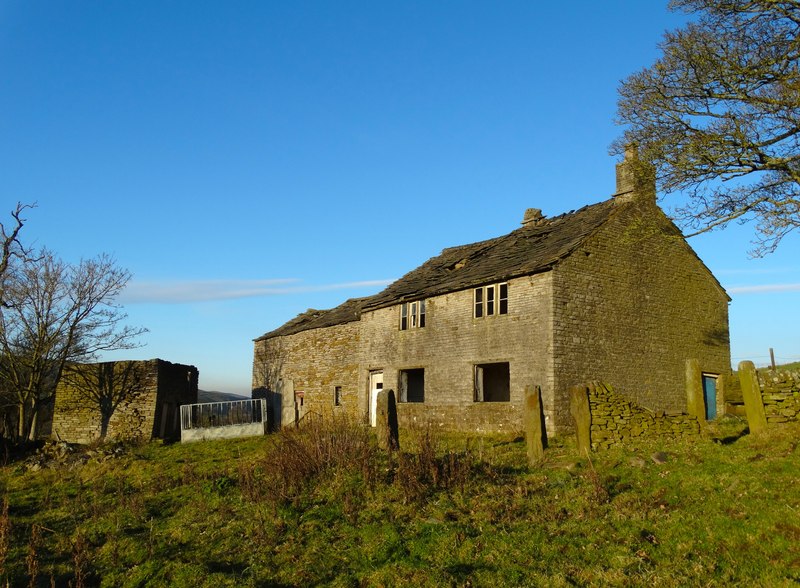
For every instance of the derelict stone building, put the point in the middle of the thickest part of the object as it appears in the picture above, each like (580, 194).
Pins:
(122, 400)
(610, 292)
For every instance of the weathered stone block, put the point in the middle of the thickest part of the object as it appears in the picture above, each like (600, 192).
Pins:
(533, 424)
(751, 393)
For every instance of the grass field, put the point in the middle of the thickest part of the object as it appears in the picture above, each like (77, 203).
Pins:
(325, 507)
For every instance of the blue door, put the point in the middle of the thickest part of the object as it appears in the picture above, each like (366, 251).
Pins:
(710, 396)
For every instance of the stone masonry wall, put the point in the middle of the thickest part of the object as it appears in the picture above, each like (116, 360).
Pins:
(780, 393)
(136, 394)
(315, 362)
(452, 343)
(177, 385)
(630, 306)
(615, 420)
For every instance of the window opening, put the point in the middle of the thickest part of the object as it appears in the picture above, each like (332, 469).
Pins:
(492, 382)
(503, 301)
(412, 315)
(411, 384)
(491, 300)
(337, 395)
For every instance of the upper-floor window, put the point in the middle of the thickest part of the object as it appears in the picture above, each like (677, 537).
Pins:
(491, 300)
(412, 315)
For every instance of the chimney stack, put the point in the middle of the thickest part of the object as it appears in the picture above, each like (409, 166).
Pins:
(635, 178)
(532, 215)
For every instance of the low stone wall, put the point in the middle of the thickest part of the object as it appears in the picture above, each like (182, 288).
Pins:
(226, 432)
(615, 420)
(780, 393)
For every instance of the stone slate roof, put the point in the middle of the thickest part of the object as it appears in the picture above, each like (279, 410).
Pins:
(346, 312)
(533, 248)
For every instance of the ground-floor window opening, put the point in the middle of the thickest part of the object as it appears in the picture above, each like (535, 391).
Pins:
(492, 382)
(337, 395)
(411, 384)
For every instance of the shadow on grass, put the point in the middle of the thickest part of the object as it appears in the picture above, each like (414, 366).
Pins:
(731, 439)
(461, 571)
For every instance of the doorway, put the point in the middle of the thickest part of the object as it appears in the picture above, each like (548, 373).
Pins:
(710, 396)
(375, 386)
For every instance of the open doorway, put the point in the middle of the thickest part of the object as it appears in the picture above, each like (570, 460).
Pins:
(375, 386)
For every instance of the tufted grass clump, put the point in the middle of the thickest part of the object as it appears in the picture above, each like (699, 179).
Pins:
(300, 459)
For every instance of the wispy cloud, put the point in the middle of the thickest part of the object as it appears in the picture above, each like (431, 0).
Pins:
(759, 271)
(764, 289)
(172, 292)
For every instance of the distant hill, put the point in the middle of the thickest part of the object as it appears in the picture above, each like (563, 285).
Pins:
(213, 396)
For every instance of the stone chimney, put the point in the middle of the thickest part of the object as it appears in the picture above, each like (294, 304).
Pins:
(635, 178)
(532, 216)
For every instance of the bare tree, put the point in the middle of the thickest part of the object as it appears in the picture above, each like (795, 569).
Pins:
(55, 313)
(718, 115)
(103, 387)
(9, 241)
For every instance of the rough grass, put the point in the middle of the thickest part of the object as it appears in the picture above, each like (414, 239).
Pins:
(324, 507)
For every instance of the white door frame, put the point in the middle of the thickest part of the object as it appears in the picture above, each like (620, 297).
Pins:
(375, 386)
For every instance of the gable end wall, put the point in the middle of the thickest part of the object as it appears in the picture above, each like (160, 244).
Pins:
(313, 363)
(630, 307)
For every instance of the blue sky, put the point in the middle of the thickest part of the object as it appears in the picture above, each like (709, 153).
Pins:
(249, 160)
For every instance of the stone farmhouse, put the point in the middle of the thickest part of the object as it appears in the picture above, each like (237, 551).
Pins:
(611, 292)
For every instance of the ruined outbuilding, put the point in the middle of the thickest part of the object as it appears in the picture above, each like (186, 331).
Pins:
(122, 400)
(611, 292)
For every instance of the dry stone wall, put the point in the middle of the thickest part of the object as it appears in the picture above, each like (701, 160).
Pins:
(780, 393)
(616, 419)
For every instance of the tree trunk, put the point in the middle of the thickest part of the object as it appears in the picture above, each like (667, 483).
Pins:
(21, 422)
(34, 430)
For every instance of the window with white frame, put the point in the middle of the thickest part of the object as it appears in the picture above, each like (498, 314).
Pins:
(412, 315)
(490, 300)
